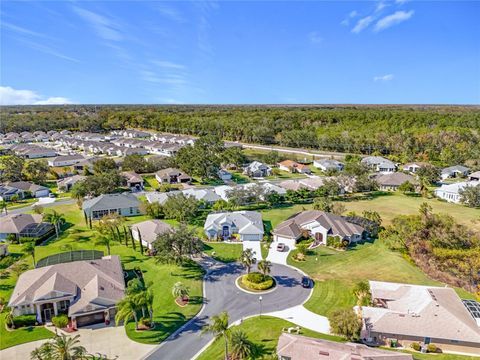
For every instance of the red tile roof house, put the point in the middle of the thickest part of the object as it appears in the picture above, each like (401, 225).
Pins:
(87, 291)
(294, 167)
(317, 224)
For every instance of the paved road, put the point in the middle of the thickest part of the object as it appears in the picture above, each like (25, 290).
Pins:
(66, 201)
(221, 294)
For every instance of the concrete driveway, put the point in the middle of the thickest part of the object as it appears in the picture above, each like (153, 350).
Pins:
(255, 246)
(221, 294)
(278, 257)
(111, 341)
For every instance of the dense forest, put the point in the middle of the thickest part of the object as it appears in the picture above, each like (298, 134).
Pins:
(440, 134)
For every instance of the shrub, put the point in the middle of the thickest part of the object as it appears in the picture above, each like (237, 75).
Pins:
(25, 320)
(267, 282)
(6, 261)
(60, 321)
(415, 346)
(432, 348)
(255, 277)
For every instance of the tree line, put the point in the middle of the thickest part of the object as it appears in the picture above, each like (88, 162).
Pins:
(440, 134)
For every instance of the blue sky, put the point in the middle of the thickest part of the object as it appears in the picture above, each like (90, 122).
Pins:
(240, 52)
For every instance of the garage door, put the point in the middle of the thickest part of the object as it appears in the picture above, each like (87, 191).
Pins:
(42, 193)
(90, 319)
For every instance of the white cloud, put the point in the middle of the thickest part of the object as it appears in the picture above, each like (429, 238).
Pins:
(393, 19)
(400, 2)
(104, 27)
(387, 77)
(10, 96)
(362, 24)
(169, 12)
(315, 37)
(380, 6)
(351, 15)
(22, 30)
(168, 64)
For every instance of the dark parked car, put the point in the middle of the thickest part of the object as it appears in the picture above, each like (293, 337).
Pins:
(307, 282)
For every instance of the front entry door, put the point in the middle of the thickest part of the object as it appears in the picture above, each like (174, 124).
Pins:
(47, 314)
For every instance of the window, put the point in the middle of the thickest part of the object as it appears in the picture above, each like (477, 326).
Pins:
(131, 211)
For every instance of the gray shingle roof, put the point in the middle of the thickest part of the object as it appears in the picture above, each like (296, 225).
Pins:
(111, 201)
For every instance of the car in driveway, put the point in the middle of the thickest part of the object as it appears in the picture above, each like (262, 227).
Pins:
(281, 247)
(307, 282)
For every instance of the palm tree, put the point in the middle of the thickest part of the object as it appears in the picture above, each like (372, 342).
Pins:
(126, 310)
(29, 248)
(104, 240)
(362, 293)
(219, 328)
(265, 267)
(67, 348)
(179, 290)
(149, 296)
(247, 258)
(60, 348)
(241, 346)
(56, 219)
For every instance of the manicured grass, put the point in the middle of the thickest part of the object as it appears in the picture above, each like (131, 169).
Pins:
(336, 272)
(167, 314)
(223, 251)
(264, 333)
(150, 183)
(22, 335)
(239, 178)
(395, 203)
(20, 203)
(388, 205)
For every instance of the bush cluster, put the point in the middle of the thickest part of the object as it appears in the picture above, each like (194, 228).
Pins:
(60, 321)
(25, 320)
(432, 348)
(415, 346)
(255, 284)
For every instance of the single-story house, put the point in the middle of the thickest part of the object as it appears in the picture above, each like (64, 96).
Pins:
(134, 180)
(318, 225)
(225, 225)
(24, 225)
(224, 175)
(84, 164)
(66, 160)
(149, 230)
(379, 164)
(7, 192)
(423, 314)
(392, 181)
(475, 176)
(67, 183)
(86, 291)
(328, 164)
(256, 169)
(451, 192)
(296, 347)
(312, 183)
(30, 188)
(413, 167)
(121, 204)
(172, 176)
(293, 167)
(454, 171)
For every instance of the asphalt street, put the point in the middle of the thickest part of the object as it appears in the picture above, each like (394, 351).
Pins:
(221, 294)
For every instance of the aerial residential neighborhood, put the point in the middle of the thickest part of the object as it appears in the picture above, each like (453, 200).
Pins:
(239, 180)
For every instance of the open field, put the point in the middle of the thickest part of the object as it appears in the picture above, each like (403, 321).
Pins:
(388, 205)
(167, 314)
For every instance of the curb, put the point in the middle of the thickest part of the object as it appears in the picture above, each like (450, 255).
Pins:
(258, 292)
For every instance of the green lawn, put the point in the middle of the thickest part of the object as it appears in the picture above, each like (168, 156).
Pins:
(167, 314)
(223, 251)
(150, 183)
(22, 335)
(336, 272)
(388, 205)
(264, 333)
